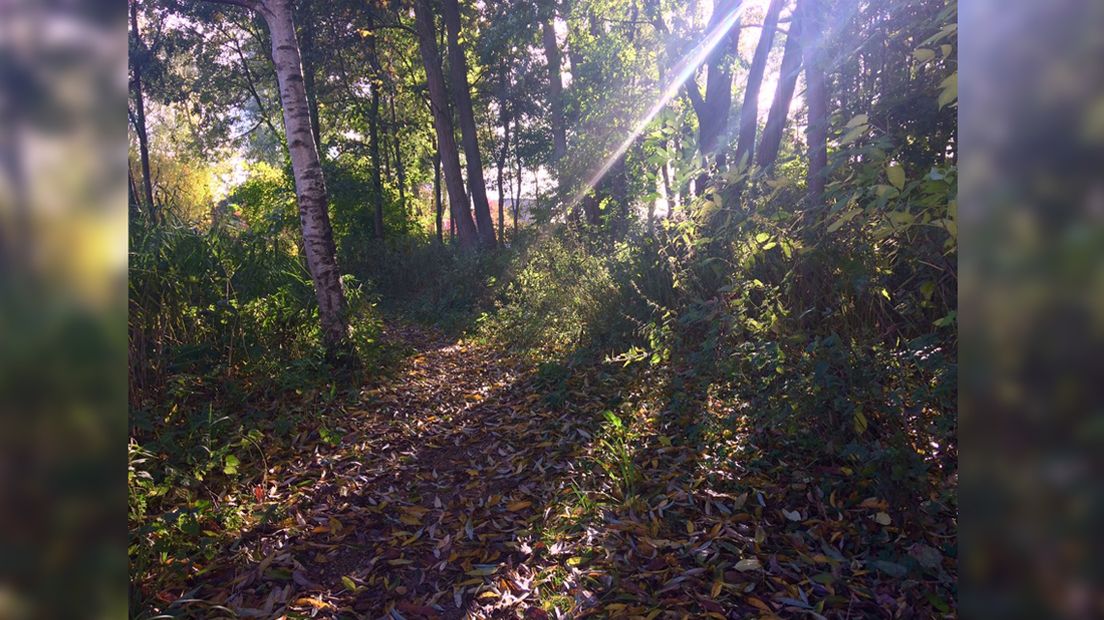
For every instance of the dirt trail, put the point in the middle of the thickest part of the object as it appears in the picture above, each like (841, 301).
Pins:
(427, 505)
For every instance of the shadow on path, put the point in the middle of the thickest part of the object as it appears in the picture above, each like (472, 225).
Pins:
(429, 505)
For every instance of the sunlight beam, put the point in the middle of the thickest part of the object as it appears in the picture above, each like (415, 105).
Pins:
(684, 70)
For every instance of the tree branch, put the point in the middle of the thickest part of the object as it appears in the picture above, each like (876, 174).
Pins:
(252, 5)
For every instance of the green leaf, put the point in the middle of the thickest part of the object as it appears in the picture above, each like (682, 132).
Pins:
(859, 119)
(860, 421)
(896, 175)
(950, 90)
(927, 289)
(230, 464)
(947, 320)
(349, 584)
(853, 134)
(844, 217)
(612, 419)
(885, 191)
(924, 54)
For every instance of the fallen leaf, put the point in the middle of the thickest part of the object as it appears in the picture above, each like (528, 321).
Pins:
(748, 564)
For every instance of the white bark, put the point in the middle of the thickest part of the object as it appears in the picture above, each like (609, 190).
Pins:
(310, 186)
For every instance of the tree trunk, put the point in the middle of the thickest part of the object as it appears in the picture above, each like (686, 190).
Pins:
(517, 157)
(374, 135)
(399, 169)
(459, 211)
(140, 116)
(501, 224)
(501, 165)
(713, 119)
(749, 112)
(310, 185)
(132, 195)
(555, 87)
(458, 69)
(504, 120)
(374, 152)
(780, 107)
(816, 132)
(437, 193)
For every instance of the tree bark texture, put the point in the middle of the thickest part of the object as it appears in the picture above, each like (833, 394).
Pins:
(310, 186)
(460, 212)
(458, 69)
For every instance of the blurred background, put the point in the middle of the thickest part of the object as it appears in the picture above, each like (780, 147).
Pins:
(1032, 292)
(1032, 218)
(63, 256)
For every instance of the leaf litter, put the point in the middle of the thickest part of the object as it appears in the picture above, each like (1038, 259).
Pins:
(458, 489)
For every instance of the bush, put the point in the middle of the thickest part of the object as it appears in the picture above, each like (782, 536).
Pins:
(561, 298)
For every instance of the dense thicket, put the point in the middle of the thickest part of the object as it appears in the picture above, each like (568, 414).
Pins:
(785, 270)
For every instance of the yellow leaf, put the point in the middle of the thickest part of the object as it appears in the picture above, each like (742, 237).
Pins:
(516, 506)
(313, 602)
(754, 602)
(716, 591)
(883, 518)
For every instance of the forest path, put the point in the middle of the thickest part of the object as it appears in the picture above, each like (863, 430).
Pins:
(424, 503)
(466, 484)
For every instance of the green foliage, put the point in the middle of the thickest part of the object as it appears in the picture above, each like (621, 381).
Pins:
(220, 322)
(561, 298)
(615, 456)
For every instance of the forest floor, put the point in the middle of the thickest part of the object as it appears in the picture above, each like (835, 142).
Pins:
(469, 484)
